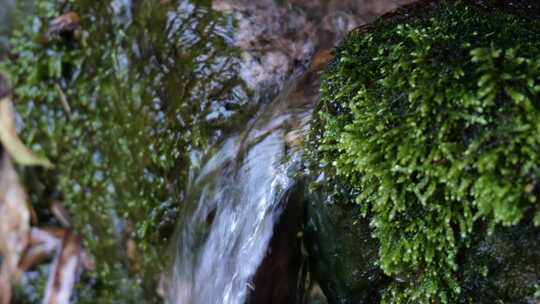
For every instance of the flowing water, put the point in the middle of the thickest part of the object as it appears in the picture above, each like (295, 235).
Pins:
(235, 195)
(232, 207)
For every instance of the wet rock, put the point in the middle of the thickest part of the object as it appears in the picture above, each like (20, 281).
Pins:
(292, 32)
(280, 277)
(343, 254)
(316, 295)
(529, 8)
(503, 267)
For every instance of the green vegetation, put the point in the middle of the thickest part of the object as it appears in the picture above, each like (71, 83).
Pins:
(433, 120)
(117, 107)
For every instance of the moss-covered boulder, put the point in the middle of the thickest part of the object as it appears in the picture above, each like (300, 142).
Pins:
(432, 117)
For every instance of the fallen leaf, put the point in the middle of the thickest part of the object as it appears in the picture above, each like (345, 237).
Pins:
(69, 259)
(65, 271)
(11, 142)
(321, 58)
(61, 214)
(14, 226)
(21, 246)
(43, 243)
(68, 22)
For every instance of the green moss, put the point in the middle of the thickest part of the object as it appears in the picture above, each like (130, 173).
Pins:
(141, 83)
(433, 119)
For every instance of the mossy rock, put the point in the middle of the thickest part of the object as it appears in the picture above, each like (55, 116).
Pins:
(431, 115)
(117, 108)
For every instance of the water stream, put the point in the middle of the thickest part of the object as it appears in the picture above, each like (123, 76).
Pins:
(233, 203)
(235, 196)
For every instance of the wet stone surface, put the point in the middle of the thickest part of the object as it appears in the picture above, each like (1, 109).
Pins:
(502, 267)
(279, 38)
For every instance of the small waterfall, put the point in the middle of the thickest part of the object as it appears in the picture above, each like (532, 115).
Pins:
(225, 239)
(229, 217)
(233, 202)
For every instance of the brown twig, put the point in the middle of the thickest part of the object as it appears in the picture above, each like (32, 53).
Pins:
(63, 100)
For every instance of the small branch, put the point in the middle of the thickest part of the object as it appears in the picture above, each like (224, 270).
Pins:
(63, 100)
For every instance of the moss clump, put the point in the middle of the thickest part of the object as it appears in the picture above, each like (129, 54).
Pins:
(434, 119)
(141, 81)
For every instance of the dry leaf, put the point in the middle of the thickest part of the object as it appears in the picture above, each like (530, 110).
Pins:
(61, 214)
(43, 242)
(68, 22)
(20, 245)
(11, 142)
(69, 259)
(14, 226)
(321, 58)
(65, 270)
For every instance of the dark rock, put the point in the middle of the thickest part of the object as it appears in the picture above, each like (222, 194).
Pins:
(343, 254)
(503, 267)
(527, 8)
(315, 295)
(280, 277)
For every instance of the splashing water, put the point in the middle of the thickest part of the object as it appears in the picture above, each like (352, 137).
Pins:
(212, 266)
